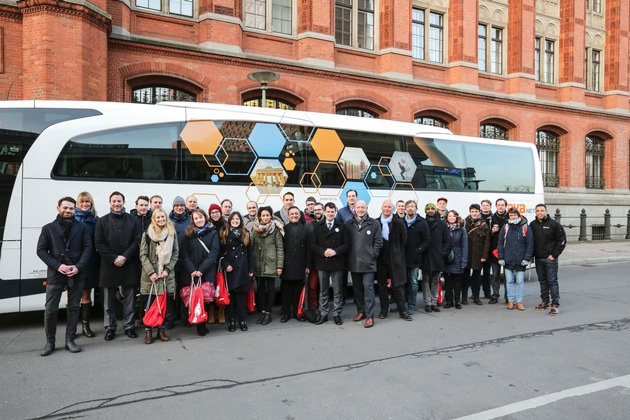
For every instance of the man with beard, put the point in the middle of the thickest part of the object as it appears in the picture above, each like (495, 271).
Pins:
(64, 245)
(433, 262)
(363, 236)
(117, 239)
(499, 218)
(478, 249)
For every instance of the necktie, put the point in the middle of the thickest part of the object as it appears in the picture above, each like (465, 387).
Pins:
(329, 226)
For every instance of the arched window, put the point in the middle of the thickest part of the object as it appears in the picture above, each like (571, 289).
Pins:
(434, 121)
(548, 145)
(357, 112)
(594, 162)
(155, 94)
(271, 103)
(493, 131)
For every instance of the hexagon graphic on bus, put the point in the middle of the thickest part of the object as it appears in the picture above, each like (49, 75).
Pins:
(296, 133)
(330, 177)
(253, 194)
(354, 163)
(310, 183)
(236, 156)
(201, 137)
(267, 140)
(269, 176)
(327, 145)
(402, 166)
(379, 180)
(359, 187)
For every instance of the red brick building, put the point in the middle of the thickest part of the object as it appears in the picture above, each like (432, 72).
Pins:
(552, 72)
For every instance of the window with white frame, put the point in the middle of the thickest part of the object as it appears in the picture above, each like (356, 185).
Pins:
(181, 7)
(592, 69)
(265, 14)
(434, 33)
(354, 23)
(594, 6)
(545, 60)
(150, 4)
(595, 152)
(490, 48)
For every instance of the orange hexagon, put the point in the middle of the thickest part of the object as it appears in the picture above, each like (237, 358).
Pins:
(289, 164)
(201, 137)
(327, 144)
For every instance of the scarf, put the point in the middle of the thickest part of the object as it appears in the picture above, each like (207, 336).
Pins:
(284, 215)
(264, 230)
(202, 231)
(411, 221)
(360, 220)
(236, 231)
(163, 248)
(118, 213)
(84, 215)
(385, 221)
(65, 225)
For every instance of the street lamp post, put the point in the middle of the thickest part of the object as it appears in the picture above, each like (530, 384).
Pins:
(263, 77)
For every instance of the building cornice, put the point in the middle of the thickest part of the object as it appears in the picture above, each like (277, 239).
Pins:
(72, 9)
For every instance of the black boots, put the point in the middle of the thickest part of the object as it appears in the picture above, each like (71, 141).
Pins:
(85, 319)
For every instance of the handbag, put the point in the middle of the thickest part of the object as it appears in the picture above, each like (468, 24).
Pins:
(251, 300)
(154, 315)
(197, 312)
(301, 302)
(207, 288)
(222, 293)
(440, 296)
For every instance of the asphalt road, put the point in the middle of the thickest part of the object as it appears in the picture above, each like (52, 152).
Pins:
(482, 362)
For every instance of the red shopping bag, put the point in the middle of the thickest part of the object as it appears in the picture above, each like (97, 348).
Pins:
(207, 288)
(154, 315)
(301, 303)
(222, 293)
(196, 312)
(251, 300)
(440, 297)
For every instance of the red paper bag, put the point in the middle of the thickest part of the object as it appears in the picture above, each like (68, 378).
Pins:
(301, 304)
(222, 293)
(154, 315)
(197, 313)
(440, 297)
(251, 300)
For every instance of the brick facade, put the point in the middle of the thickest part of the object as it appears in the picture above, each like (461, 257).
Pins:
(58, 50)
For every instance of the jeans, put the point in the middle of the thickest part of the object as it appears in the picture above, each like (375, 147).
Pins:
(325, 277)
(413, 274)
(510, 277)
(430, 281)
(363, 287)
(547, 271)
(51, 310)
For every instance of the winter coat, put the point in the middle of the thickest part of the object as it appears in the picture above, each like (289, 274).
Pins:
(149, 262)
(549, 237)
(497, 220)
(118, 234)
(418, 241)
(393, 251)
(433, 259)
(364, 244)
(93, 266)
(459, 242)
(53, 250)
(478, 242)
(181, 222)
(516, 245)
(241, 258)
(194, 256)
(268, 252)
(296, 251)
(322, 239)
(144, 220)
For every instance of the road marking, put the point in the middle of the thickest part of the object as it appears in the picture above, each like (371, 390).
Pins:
(548, 399)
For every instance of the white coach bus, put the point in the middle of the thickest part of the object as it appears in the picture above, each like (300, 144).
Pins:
(51, 149)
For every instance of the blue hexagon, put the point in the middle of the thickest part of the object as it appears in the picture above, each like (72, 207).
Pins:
(214, 178)
(359, 187)
(267, 140)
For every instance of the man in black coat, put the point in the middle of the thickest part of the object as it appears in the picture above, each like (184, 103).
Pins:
(418, 242)
(433, 263)
(391, 261)
(329, 256)
(297, 252)
(117, 239)
(64, 246)
(499, 218)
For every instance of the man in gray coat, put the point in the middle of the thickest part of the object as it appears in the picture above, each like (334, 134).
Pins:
(117, 239)
(363, 236)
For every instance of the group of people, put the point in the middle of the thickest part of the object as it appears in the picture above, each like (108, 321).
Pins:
(131, 254)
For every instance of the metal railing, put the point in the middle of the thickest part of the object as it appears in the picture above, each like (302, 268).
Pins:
(596, 227)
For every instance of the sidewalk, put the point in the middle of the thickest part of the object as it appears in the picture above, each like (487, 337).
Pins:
(595, 252)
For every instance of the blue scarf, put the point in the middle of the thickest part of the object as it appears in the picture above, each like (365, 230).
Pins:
(84, 216)
(412, 221)
(203, 230)
(118, 213)
(386, 221)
